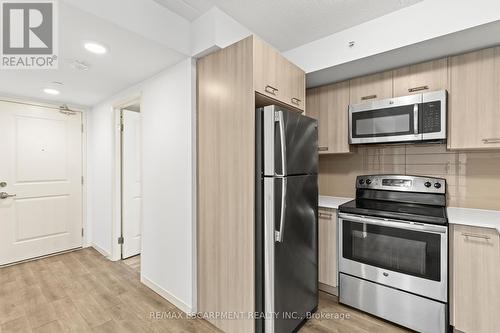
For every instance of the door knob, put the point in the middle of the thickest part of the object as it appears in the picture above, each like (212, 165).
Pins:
(5, 195)
(3, 184)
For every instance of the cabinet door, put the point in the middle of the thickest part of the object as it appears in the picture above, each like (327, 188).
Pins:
(474, 117)
(327, 245)
(295, 85)
(314, 110)
(329, 105)
(371, 87)
(476, 279)
(278, 78)
(266, 70)
(427, 76)
(334, 101)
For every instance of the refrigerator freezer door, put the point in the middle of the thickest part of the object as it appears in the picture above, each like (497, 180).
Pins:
(292, 271)
(290, 143)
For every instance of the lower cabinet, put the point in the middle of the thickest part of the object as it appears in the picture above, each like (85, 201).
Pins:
(327, 245)
(475, 299)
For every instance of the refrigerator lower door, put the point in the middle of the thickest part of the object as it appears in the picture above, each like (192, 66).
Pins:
(291, 253)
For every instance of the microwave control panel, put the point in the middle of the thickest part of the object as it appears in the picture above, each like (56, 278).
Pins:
(431, 117)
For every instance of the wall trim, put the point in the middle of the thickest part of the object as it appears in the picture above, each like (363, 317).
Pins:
(101, 250)
(167, 295)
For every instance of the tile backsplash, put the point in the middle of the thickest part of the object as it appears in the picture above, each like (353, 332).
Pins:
(473, 177)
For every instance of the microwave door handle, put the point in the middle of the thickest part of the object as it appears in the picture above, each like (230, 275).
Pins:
(281, 124)
(415, 119)
(278, 235)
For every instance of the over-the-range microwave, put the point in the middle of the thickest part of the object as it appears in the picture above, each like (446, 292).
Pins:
(420, 117)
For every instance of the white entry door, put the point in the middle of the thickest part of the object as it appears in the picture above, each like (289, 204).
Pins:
(40, 181)
(131, 183)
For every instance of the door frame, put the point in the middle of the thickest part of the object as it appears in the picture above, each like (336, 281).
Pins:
(116, 228)
(85, 225)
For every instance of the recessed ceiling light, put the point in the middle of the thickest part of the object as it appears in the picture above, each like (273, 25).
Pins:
(95, 47)
(51, 91)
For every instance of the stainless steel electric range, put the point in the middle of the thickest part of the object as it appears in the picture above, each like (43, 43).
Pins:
(393, 250)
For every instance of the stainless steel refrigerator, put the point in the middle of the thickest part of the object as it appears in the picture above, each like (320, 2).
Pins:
(286, 223)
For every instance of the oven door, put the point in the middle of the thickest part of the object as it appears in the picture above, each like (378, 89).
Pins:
(390, 120)
(404, 255)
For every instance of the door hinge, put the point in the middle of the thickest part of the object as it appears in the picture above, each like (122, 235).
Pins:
(82, 128)
(83, 180)
(121, 127)
(82, 232)
(120, 240)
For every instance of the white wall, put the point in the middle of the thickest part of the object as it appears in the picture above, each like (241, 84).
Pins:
(423, 21)
(215, 30)
(168, 115)
(99, 176)
(168, 184)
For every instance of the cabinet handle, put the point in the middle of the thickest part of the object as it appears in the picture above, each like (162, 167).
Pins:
(271, 89)
(325, 215)
(295, 101)
(418, 88)
(491, 140)
(469, 235)
(322, 148)
(364, 98)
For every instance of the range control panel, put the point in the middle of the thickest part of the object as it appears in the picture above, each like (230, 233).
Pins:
(402, 183)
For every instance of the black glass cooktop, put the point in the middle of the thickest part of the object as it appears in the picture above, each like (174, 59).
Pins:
(396, 210)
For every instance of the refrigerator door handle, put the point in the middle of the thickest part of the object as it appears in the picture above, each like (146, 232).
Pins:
(279, 118)
(278, 235)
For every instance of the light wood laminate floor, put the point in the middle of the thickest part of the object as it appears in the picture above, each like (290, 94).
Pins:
(82, 291)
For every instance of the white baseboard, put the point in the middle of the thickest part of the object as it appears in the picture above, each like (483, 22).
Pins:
(101, 250)
(165, 294)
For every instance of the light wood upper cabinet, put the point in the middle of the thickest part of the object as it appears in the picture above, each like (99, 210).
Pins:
(371, 87)
(276, 77)
(327, 247)
(266, 62)
(427, 76)
(476, 279)
(329, 104)
(474, 100)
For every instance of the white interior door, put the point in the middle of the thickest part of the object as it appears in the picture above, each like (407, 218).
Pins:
(41, 168)
(131, 183)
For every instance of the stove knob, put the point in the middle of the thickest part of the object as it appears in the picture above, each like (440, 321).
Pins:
(361, 181)
(437, 185)
(428, 184)
(368, 182)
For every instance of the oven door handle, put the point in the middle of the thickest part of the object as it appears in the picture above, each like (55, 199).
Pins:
(394, 223)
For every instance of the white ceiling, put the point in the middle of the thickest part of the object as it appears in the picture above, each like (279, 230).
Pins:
(189, 9)
(290, 23)
(131, 58)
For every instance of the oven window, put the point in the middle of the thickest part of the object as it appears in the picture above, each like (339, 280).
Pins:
(384, 122)
(416, 253)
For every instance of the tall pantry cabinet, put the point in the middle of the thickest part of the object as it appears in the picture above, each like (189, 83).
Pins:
(231, 83)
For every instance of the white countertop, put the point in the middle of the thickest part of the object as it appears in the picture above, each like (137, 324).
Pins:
(332, 202)
(474, 217)
(466, 216)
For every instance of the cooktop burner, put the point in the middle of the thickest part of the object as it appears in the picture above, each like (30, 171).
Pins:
(396, 211)
(400, 197)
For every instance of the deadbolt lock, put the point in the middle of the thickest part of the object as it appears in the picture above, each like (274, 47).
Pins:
(3, 184)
